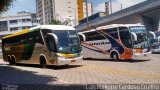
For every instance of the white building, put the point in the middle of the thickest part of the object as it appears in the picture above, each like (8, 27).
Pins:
(22, 20)
(63, 10)
(90, 9)
(66, 10)
(11, 24)
(45, 11)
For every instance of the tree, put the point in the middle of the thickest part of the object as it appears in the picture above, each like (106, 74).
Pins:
(4, 5)
(56, 22)
(66, 22)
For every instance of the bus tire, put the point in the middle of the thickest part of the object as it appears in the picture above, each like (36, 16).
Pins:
(12, 60)
(43, 63)
(9, 60)
(115, 56)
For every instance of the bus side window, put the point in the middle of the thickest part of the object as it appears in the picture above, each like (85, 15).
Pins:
(91, 36)
(112, 32)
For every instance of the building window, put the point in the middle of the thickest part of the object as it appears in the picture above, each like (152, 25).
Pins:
(28, 20)
(20, 20)
(23, 20)
(23, 27)
(14, 29)
(13, 21)
(28, 27)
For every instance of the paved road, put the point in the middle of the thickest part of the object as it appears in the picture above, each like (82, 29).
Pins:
(146, 71)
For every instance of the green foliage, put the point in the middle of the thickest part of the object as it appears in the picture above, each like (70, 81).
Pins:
(5, 4)
(56, 22)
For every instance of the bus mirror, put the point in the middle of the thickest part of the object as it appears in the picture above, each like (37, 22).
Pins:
(51, 42)
(82, 37)
(159, 39)
(134, 36)
(54, 36)
(153, 34)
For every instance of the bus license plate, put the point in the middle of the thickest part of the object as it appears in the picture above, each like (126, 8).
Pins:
(73, 61)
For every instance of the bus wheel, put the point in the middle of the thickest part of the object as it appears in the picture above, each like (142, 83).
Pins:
(12, 60)
(115, 56)
(43, 63)
(9, 60)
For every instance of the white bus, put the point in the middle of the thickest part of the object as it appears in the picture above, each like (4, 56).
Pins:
(155, 41)
(115, 41)
(44, 45)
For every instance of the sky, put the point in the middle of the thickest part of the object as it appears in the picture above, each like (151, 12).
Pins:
(99, 5)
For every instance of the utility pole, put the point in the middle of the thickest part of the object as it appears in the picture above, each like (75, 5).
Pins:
(8, 21)
(75, 18)
(87, 14)
(121, 6)
(110, 5)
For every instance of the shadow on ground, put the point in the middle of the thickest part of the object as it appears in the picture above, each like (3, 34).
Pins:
(51, 66)
(122, 60)
(63, 67)
(49, 87)
(155, 52)
(16, 79)
(11, 75)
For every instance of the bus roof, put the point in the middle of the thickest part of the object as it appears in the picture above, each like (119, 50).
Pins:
(111, 26)
(117, 25)
(52, 27)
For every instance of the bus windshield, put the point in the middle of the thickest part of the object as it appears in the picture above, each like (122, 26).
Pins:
(68, 41)
(142, 37)
(157, 33)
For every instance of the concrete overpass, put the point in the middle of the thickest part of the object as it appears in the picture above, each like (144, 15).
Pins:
(147, 13)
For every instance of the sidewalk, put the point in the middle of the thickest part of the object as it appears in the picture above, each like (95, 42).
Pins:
(3, 62)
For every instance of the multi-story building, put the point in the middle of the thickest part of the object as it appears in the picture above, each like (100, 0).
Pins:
(90, 9)
(22, 20)
(11, 24)
(107, 7)
(45, 11)
(63, 10)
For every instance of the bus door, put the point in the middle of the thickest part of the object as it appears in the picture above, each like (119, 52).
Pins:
(51, 45)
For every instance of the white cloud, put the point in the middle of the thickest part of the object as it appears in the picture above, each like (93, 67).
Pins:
(100, 7)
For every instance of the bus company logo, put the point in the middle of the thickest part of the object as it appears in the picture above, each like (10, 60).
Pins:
(100, 43)
(9, 87)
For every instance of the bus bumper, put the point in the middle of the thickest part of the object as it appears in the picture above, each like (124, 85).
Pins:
(156, 50)
(141, 54)
(65, 61)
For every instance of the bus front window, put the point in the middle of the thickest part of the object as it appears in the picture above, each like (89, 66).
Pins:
(142, 37)
(68, 41)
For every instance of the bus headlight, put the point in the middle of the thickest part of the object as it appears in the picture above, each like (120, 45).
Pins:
(59, 55)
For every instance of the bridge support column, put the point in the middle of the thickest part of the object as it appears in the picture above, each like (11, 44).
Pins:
(151, 24)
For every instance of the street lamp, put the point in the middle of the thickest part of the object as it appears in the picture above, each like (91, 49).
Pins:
(121, 6)
(87, 14)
